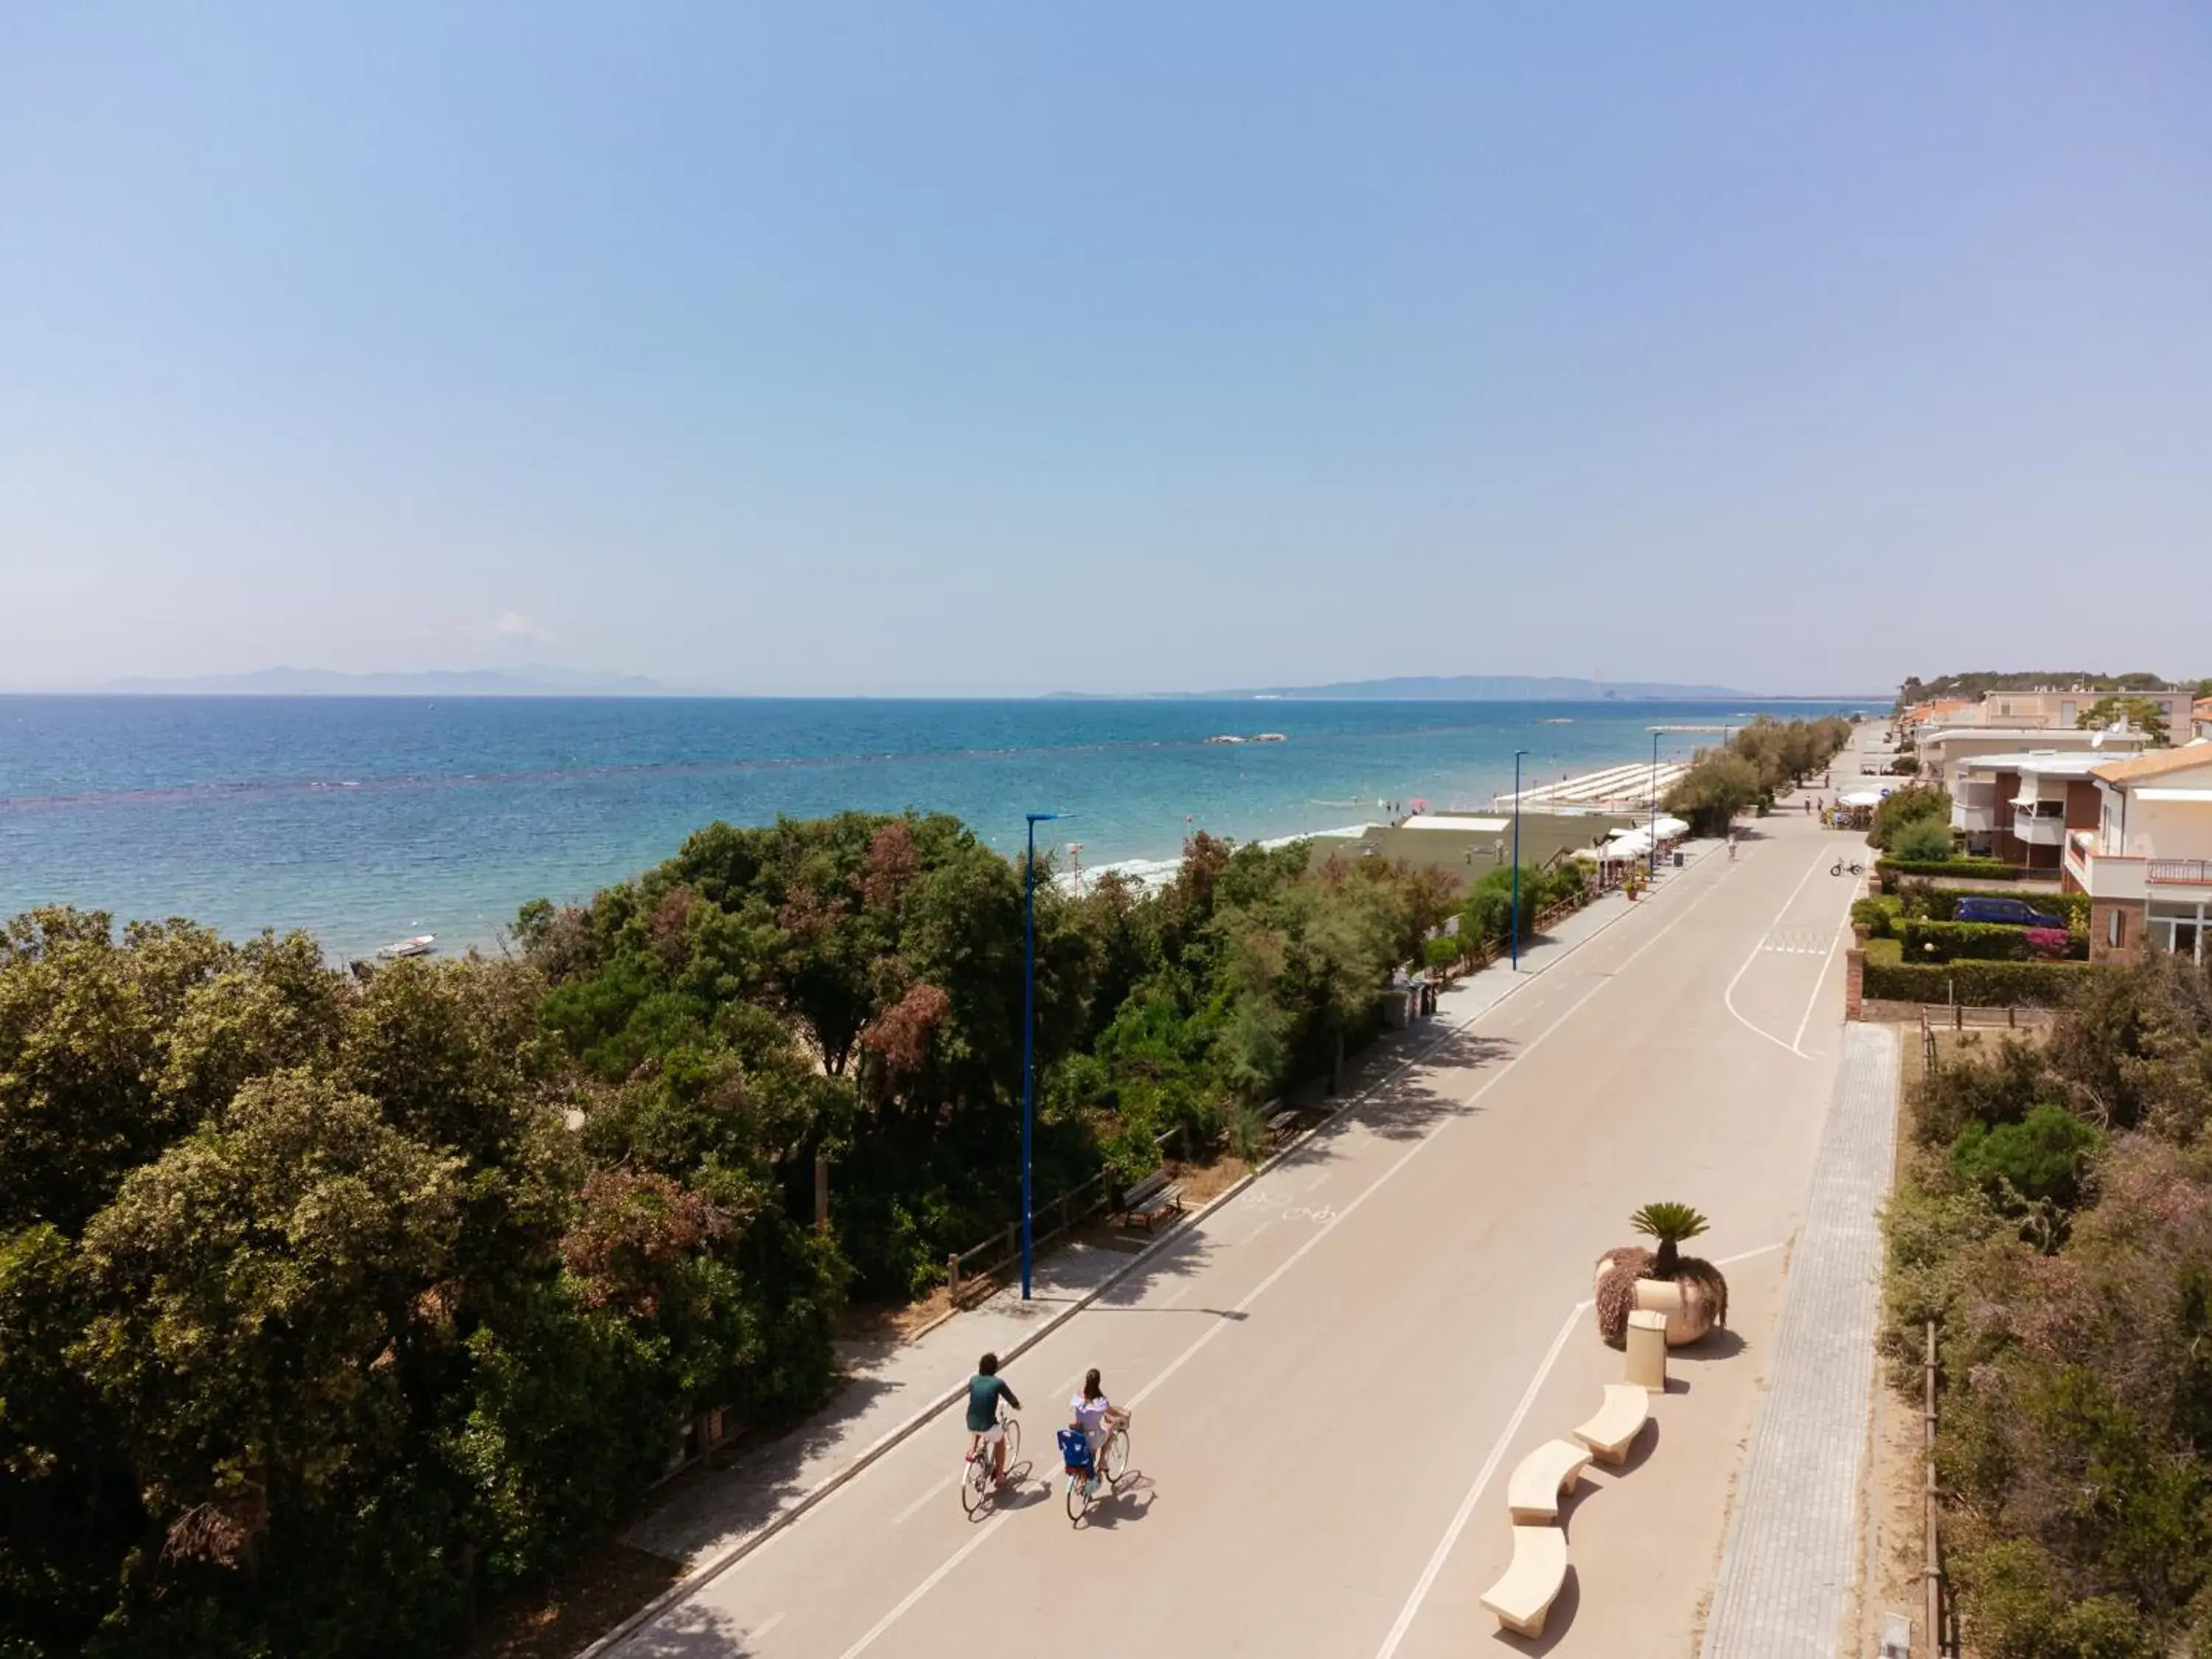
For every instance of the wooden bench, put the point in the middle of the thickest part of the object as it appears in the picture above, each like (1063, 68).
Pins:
(1522, 1598)
(1618, 1422)
(1533, 1494)
(1280, 1125)
(1154, 1196)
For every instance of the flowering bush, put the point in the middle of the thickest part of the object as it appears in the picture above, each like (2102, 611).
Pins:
(2052, 943)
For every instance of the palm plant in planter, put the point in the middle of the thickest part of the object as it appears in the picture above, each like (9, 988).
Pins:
(1689, 1292)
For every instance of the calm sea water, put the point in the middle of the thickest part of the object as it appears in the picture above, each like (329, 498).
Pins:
(363, 820)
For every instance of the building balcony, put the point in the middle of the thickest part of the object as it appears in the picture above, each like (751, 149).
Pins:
(2039, 829)
(1974, 820)
(2179, 872)
(2105, 875)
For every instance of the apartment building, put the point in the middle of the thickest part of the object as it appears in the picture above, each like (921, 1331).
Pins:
(2019, 806)
(1941, 750)
(2147, 865)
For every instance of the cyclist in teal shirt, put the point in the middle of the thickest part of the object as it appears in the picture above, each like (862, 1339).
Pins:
(985, 1391)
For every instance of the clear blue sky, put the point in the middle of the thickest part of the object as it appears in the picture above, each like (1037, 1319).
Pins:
(955, 347)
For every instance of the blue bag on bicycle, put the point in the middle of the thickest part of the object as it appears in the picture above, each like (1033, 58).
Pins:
(1075, 1450)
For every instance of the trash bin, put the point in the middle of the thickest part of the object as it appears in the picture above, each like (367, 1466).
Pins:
(1678, 860)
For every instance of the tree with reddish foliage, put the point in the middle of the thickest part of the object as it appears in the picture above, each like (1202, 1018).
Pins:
(633, 1230)
(900, 1035)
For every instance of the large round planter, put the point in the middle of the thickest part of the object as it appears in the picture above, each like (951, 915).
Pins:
(1687, 1305)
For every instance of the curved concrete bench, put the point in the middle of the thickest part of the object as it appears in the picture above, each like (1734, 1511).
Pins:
(1618, 1422)
(1522, 1598)
(1533, 1494)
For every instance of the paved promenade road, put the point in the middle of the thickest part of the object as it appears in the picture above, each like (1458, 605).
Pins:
(1334, 1373)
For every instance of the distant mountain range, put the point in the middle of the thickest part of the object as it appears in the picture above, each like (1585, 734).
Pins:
(1492, 688)
(529, 680)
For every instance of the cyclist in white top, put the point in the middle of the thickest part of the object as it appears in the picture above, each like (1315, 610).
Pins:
(1097, 1420)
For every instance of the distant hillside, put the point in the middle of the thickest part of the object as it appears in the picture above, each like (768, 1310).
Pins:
(1478, 688)
(1972, 685)
(530, 680)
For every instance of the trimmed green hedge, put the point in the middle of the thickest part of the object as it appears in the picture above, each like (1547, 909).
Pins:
(1877, 916)
(1977, 984)
(1977, 941)
(1979, 869)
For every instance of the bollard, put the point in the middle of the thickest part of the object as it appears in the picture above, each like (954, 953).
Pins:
(1647, 1349)
(952, 1275)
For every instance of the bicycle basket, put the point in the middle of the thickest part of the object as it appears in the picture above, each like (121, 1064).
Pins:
(1075, 1449)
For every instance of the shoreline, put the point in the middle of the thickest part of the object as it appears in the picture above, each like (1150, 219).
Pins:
(456, 818)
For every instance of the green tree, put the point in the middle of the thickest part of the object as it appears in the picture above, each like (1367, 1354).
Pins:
(1719, 784)
(1921, 840)
(267, 1289)
(2144, 715)
(2038, 1160)
(1918, 803)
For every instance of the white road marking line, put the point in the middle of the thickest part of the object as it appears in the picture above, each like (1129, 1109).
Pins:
(928, 1584)
(765, 1626)
(1742, 1255)
(1420, 1593)
(1797, 1042)
(1189, 1286)
(915, 1508)
(1728, 997)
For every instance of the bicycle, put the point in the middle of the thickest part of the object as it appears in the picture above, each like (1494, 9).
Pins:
(978, 1486)
(1113, 1464)
(1854, 867)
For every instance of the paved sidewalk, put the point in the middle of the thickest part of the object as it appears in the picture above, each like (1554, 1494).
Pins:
(1787, 1572)
(889, 1383)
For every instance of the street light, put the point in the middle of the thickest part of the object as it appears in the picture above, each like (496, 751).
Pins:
(1653, 870)
(1518, 754)
(1028, 1031)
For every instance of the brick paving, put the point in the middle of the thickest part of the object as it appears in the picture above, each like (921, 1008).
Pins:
(1791, 1557)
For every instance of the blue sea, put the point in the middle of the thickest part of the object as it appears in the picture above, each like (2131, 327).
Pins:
(363, 820)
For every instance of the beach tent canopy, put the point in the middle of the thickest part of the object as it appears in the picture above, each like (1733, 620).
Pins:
(1670, 828)
(1862, 798)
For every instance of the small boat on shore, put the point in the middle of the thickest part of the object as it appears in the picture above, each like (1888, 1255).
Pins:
(421, 945)
(1226, 736)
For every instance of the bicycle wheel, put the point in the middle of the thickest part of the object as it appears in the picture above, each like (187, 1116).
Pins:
(975, 1481)
(1013, 1428)
(1077, 1500)
(1114, 1460)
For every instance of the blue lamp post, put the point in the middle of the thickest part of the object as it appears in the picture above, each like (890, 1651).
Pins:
(1029, 1033)
(1518, 754)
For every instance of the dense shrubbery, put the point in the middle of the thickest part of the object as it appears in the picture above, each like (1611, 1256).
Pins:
(325, 1304)
(1976, 984)
(2056, 1219)
(1923, 841)
(1486, 921)
(1916, 804)
(1929, 941)
(1756, 764)
(1957, 869)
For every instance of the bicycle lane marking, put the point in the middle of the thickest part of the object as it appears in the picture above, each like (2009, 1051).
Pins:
(1597, 985)
(1728, 997)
